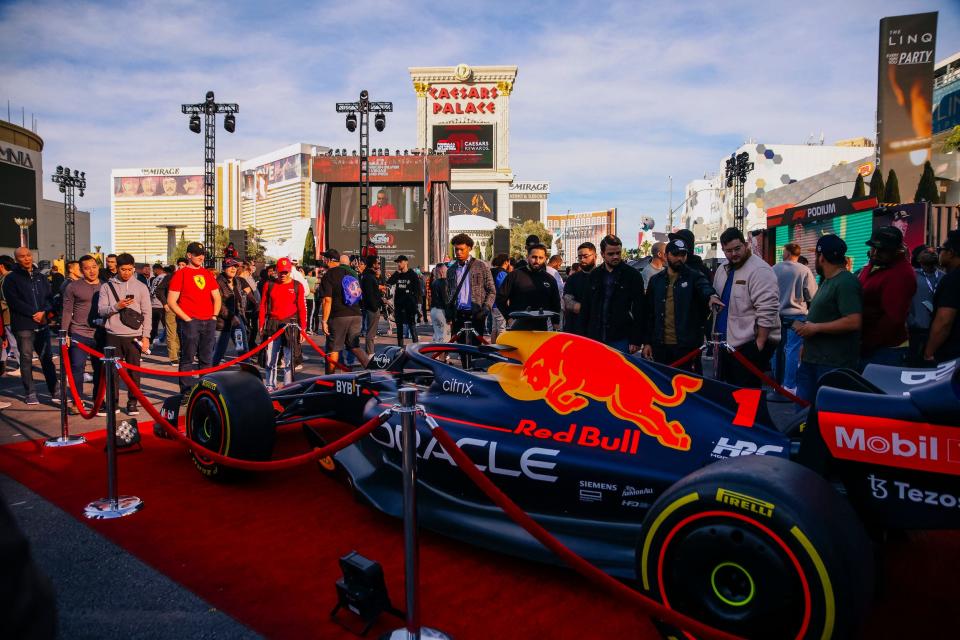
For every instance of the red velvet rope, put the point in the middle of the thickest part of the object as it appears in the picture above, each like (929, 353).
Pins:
(253, 465)
(685, 359)
(644, 603)
(767, 379)
(185, 374)
(323, 354)
(98, 394)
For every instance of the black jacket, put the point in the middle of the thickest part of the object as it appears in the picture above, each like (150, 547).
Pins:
(233, 306)
(577, 286)
(406, 293)
(527, 290)
(370, 288)
(691, 297)
(26, 294)
(620, 318)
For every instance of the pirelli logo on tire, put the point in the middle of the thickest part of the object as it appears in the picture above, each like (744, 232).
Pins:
(745, 503)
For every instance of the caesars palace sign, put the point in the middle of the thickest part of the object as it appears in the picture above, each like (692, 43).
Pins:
(466, 99)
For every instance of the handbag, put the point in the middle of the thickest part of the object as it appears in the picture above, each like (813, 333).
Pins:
(450, 310)
(128, 317)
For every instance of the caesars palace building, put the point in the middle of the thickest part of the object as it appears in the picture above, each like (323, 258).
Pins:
(463, 114)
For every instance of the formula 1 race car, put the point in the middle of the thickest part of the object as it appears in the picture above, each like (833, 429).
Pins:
(680, 483)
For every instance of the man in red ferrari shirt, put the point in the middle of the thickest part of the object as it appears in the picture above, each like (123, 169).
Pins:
(383, 210)
(195, 298)
(282, 304)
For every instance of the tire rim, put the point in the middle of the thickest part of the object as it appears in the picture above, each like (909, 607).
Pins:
(206, 428)
(733, 576)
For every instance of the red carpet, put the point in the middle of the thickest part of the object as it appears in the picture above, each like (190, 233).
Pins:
(265, 551)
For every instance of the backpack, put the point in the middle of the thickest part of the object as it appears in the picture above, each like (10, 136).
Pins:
(352, 293)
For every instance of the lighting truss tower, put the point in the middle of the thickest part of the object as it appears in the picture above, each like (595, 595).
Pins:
(737, 168)
(364, 108)
(69, 182)
(209, 108)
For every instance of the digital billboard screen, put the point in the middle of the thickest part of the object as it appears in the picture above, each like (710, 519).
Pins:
(473, 202)
(396, 221)
(157, 186)
(18, 199)
(289, 168)
(469, 146)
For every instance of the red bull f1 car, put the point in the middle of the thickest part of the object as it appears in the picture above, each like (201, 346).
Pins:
(680, 483)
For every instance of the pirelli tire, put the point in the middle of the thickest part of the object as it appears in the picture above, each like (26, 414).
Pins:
(761, 547)
(230, 413)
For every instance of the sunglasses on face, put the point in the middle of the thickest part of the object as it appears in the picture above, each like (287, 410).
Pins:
(584, 256)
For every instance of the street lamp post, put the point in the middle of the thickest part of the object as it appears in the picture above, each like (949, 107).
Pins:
(737, 168)
(364, 107)
(24, 224)
(68, 183)
(210, 108)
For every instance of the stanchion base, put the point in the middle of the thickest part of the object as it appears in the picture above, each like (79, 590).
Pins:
(64, 441)
(425, 632)
(107, 509)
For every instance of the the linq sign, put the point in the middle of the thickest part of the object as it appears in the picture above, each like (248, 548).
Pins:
(16, 157)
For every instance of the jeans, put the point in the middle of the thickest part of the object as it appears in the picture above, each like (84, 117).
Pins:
(78, 361)
(406, 317)
(499, 324)
(225, 337)
(622, 345)
(371, 320)
(39, 340)
(156, 317)
(670, 353)
(890, 356)
(128, 352)
(790, 350)
(439, 321)
(276, 349)
(196, 343)
(807, 377)
(173, 335)
(12, 351)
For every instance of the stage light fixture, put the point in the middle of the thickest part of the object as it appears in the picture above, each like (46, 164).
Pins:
(195, 123)
(59, 170)
(83, 174)
(351, 122)
(380, 122)
(230, 123)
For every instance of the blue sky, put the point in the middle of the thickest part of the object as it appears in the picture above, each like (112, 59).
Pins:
(610, 99)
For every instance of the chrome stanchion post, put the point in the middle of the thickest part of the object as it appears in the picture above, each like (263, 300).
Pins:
(467, 332)
(408, 410)
(64, 439)
(113, 506)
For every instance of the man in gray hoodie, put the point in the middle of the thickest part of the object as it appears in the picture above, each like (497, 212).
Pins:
(125, 303)
(82, 322)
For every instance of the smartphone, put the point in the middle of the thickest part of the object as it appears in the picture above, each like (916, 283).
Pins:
(129, 296)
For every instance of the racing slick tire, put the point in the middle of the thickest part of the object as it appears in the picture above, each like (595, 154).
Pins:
(230, 413)
(761, 547)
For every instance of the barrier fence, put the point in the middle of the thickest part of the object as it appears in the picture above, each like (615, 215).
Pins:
(114, 366)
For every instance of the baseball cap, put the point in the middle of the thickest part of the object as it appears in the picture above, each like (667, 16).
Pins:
(886, 238)
(532, 239)
(677, 246)
(331, 254)
(682, 234)
(230, 262)
(832, 248)
(284, 265)
(952, 243)
(401, 258)
(196, 248)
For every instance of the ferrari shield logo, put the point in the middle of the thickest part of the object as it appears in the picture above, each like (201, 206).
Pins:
(200, 281)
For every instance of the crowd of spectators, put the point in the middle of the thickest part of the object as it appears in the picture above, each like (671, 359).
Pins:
(799, 321)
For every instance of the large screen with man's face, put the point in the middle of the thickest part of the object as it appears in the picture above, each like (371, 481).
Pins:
(396, 220)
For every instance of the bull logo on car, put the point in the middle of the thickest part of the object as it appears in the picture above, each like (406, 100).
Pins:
(568, 371)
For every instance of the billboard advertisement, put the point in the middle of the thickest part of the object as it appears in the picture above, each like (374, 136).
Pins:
(396, 221)
(854, 228)
(389, 169)
(157, 186)
(905, 96)
(18, 199)
(469, 146)
(909, 218)
(473, 202)
(257, 180)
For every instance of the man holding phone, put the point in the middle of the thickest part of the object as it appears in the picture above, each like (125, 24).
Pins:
(125, 304)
